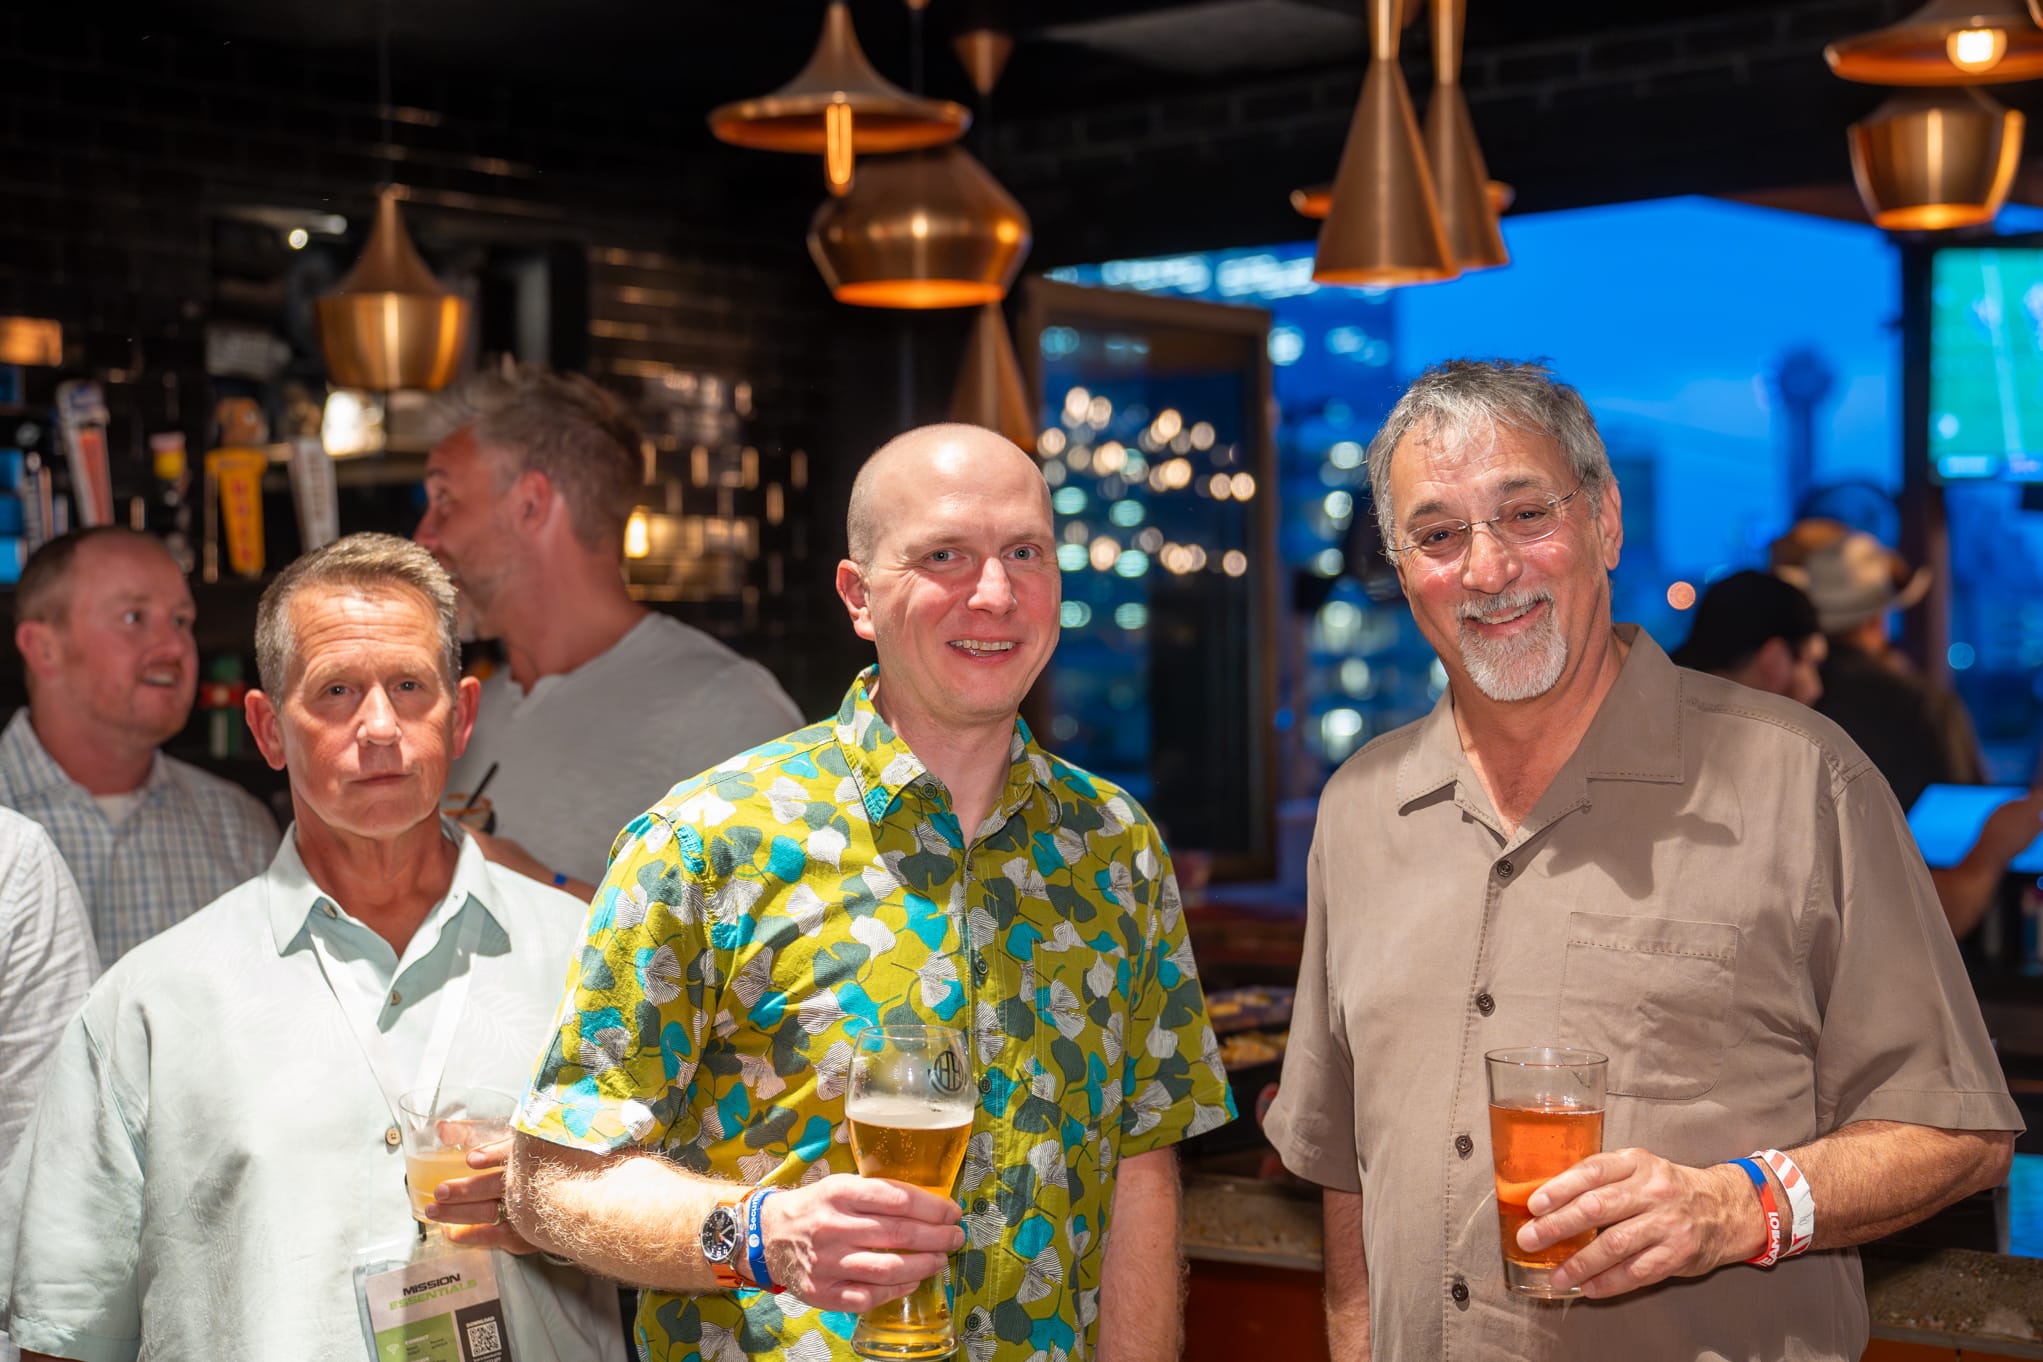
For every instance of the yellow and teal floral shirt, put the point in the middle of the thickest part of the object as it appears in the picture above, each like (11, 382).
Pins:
(763, 913)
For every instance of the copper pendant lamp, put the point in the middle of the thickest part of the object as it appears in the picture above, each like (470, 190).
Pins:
(389, 324)
(921, 230)
(1946, 42)
(37, 341)
(1383, 223)
(1457, 161)
(1926, 161)
(989, 390)
(839, 106)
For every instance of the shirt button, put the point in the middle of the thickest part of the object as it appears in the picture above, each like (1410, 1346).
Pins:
(980, 969)
(395, 997)
(1459, 1291)
(1464, 1146)
(986, 1083)
(1485, 1004)
(391, 1138)
(328, 909)
(1505, 870)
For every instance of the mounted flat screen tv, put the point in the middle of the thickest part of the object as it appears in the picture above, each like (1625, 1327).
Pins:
(1986, 363)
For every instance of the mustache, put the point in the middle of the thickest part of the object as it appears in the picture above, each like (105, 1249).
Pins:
(1504, 603)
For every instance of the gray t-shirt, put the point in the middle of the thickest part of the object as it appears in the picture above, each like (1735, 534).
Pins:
(585, 752)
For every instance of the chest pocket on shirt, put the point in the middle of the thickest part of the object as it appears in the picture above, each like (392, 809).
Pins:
(1655, 995)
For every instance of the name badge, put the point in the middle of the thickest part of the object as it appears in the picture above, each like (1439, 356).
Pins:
(431, 1302)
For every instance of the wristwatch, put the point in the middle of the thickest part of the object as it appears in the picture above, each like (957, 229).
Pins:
(723, 1232)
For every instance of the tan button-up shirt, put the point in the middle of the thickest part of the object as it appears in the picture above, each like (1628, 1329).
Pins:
(1717, 891)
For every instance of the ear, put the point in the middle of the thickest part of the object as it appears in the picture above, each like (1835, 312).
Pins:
(532, 500)
(851, 590)
(467, 699)
(41, 649)
(1610, 524)
(267, 726)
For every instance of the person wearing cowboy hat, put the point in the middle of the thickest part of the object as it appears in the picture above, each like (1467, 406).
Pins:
(1915, 730)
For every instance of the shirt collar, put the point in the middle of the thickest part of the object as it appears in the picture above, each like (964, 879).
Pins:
(294, 896)
(31, 770)
(885, 767)
(1636, 734)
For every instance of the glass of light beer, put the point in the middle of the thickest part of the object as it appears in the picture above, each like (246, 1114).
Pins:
(1546, 1115)
(439, 1127)
(911, 1105)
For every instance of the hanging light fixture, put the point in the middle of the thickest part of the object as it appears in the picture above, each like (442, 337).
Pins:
(37, 341)
(1926, 161)
(1946, 42)
(389, 324)
(839, 107)
(1457, 161)
(989, 390)
(926, 229)
(1383, 223)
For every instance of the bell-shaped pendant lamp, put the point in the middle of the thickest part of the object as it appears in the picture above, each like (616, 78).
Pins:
(1383, 223)
(926, 229)
(31, 341)
(989, 389)
(1457, 161)
(1926, 162)
(1946, 42)
(389, 324)
(839, 107)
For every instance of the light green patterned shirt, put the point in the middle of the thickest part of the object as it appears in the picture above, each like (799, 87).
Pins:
(763, 913)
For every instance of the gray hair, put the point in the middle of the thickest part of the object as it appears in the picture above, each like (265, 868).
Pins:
(566, 427)
(360, 562)
(1463, 401)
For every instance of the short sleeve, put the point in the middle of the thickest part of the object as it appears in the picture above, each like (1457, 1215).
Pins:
(638, 1000)
(1902, 1038)
(47, 962)
(1174, 1084)
(1312, 1122)
(69, 1260)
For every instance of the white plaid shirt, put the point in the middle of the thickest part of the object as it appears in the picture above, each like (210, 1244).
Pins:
(192, 838)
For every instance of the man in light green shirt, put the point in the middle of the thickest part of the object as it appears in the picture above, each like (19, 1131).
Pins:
(217, 1139)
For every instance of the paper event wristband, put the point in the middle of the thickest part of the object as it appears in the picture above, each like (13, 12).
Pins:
(1801, 1201)
(1771, 1254)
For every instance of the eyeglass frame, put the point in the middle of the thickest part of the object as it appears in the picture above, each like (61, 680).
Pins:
(1554, 503)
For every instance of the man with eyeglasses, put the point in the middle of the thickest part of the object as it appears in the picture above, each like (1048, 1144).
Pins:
(1583, 844)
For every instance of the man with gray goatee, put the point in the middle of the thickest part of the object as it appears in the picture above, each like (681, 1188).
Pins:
(1586, 845)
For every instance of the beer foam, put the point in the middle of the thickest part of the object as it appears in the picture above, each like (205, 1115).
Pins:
(906, 1113)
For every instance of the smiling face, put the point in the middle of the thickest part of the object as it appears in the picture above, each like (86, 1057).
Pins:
(467, 525)
(367, 723)
(960, 591)
(120, 655)
(1506, 619)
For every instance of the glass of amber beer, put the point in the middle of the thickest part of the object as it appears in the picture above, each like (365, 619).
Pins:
(440, 1126)
(911, 1105)
(1546, 1115)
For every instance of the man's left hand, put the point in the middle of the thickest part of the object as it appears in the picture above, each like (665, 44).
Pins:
(472, 1208)
(1657, 1220)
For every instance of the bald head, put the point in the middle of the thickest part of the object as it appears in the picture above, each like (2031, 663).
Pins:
(900, 471)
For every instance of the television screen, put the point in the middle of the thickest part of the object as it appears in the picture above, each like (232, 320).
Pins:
(1986, 363)
(1947, 820)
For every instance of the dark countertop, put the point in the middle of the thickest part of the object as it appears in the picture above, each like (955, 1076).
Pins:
(1949, 1297)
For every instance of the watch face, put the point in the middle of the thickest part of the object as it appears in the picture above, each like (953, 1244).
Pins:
(720, 1235)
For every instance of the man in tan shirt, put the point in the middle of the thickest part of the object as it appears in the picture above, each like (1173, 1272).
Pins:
(1584, 844)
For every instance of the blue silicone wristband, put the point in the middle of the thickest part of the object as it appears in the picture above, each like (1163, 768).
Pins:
(755, 1241)
(1752, 1170)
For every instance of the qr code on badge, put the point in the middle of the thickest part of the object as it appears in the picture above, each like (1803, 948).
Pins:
(484, 1342)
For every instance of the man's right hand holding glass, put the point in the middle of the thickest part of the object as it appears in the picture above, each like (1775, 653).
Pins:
(849, 1243)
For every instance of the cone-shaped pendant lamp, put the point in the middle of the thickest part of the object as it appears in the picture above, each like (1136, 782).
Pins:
(1457, 161)
(1946, 42)
(989, 390)
(927, 229)
(983, 52)
(1929, 161)
(839, 105)
(1383, 225)
(389, 324)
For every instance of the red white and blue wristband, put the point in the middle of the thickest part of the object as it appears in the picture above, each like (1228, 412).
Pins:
(1801, 1201)
(755, 1241)
(1771, 1254)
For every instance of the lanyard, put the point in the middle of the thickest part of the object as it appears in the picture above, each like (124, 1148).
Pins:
(453, 999)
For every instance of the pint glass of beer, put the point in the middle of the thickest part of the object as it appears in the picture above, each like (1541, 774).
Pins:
(911, 1105)
(1546, 1115)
